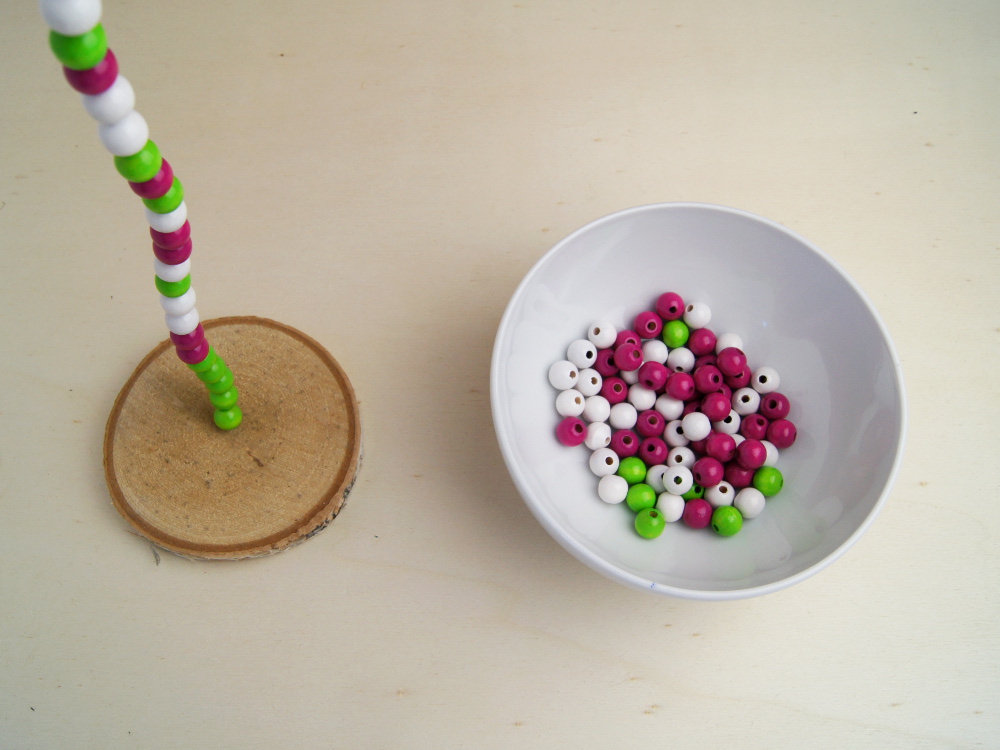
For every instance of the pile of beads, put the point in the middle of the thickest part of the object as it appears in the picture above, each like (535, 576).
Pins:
(78, 41)
(679, 426)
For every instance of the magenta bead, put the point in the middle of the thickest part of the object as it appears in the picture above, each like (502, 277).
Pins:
(754, 426)
(726, 391)
(653, 451)
(701, 341)
(170, 240)
(689, 407)
(704, 359)
(94, 80)
(697, 447)
(174, 255)
(650, 423)
(737, 476)
(571, 431)
(751, 454)
(697, 513)
(194, 355)
(669, 306)
(775, 405)
(605, 364)
(708, 471)
(628, 357)
(781, 433)
(740, 380)
(157, 186)
(648, 324)
(680, 386)
(625, 443)
(731, 361)
(188, 340)
(715, 406)
(653, 375)
(707, 379)
(627, 337)
(721, 446)
(614, 389)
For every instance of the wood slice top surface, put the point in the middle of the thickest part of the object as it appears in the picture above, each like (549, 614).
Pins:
(278, 478)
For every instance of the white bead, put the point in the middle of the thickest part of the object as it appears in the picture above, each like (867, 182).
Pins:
(641, 397)
(739, 439)
(582, 353)
(671, 506)
(562, 374)
(596, 409)
(569, 403)
(674, 434)
(603, 461)
(670, 408)
(726, 340)
(612, 489)
(183, 324)
(598, 435)
(602, 334)
(729, 424)
(623, 416)
(697, 315)
(71, 17)
(171, 273)
(720, 494)
(589, 382)
(765, 380)
(746, 401)
(178, 306)
(696, 426)
(126, 137)
(654, 350)
(677, 480)
(749, 502)
(631, 377)
(111, 105)
(680, 359)
(772, 453)
(654, 477)
(170, 222)
(681, 456)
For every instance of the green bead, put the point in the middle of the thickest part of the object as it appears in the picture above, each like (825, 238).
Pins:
(210, 359)
(81, 52)
(726, 520)
(696, 491)
(228, 419)
(141, 166)
(768, 480)
(650, 523)
(214, 373)
(172, 288)
(223, 384)
(632, 470)
(167, 202)
(640, 496)
(225, 400)
(675, 333)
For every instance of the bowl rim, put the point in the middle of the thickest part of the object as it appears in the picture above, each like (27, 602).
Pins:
(598, 563)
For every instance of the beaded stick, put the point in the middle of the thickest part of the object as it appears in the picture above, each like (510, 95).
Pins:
(78, 41)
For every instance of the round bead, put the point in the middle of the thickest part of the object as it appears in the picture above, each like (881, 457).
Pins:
(654, 477)
(654, 350)
(653, 451)
(731, 361)
(701, 341)
(602, 334)
(177, 306)
(214, 373)
(740, 379)
(623, 416)
(631, 377)
(726, 521)
(225, 401)
(721, 446)
(649, 523)
(627, 337)
(171, 273)
(680, 359)
(673, 434)
(729, 424)
(158, 186)
(640, 397)
(677, 479)
(598, 435)
(71, 17)
(563, 375)
(632, 470)
(190, 340)
(754, 426)
(167, 222)
(168, 240)
(697, 513)
(228, 419)
(194, 354)
(681, 455)
(749, 502)
(172, 288)
(697, 315)
(624, 443)
(715, 406)
(680, 386)
(571, 431)
(782, 433)
(675, 333)
(112, 104)
(670, 408)
(605, 364)
(126, 137)
(650, 423)
(720, 494)
(696, 426)
(582, 353)
(569, 403)
(765, 380)
(612, 489)
(707, 471)
(167, 202)
(653, 375)
(648, 324)
(727, 340)
(210, 360)
(142, 165)
(707, 379)
(596, 409)
(746, 401)
(669, 306)
(772, 453)
(628, 356)
(670, 506)
(614, 389)
(173, 256)
(640, 496)
(589, 382)
(768, 480)
(184, 323)
(774, 405)
(696, 491)
(223, 384)
(80, 51)
(704, 359)
(751, 454)
(95, 80)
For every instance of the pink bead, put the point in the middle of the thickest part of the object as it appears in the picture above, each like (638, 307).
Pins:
(740, 380)
(194, 355)
(737, 476)
(697, 513)
(156, 187)
(614, 389)
(697, 447)
(707, 379)
(628, 357)
(670, 306)
(188, 340)
(173, 256)
(704, 359)
(627, 337)
(689, 407)
(94, 80)
(720, 445)
(624, 443)
(650, 423)
(605, 364)
(754, 426)
(653, 451)
(571, 431)
(775, 405)
(751, 454)
(653, 375)
(701, 342)
(781, 433)
(680, 386)
(648, 324)
(726, 391)
(708, 471)
(731, 361)
(170, 240)
(715, 406)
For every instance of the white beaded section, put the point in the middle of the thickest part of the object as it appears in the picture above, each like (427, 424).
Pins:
(720, 494)
(177, 307)
(654, 350)
(172, 273)
(680, 359)
(596, 409)
(125, 137)
(111, 105)
(602, 334)
(598, 435)
(183, 324)
(641, 397)
(696, 426)
(697, 315)
(569, 403)
(612, 489)
(726, 340)
(623, 416)
(677, 480)
(670, 408)
(71, 17)
(749, 502)
(582, 353)
(654, 477)
(681, 456)
(671, 506)
(603, 461)
(563, 375)
(746, 401)
(170, 222)
(589, 382)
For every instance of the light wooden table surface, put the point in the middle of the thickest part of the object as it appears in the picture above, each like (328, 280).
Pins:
(380, 175)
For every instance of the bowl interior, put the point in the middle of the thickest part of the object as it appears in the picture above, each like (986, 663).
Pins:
(795, 310)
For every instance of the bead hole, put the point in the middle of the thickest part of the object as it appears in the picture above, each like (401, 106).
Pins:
(577, 429)
(609, 461)
(762, 379)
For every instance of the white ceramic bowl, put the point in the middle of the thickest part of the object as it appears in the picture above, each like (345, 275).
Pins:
(795, 310)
